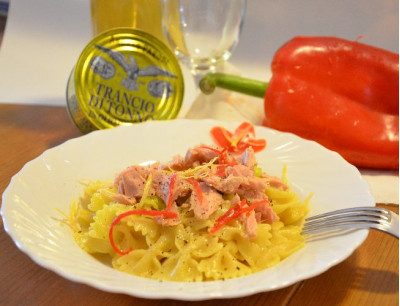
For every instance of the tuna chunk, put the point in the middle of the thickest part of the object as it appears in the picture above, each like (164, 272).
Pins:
(276, 182)
(266, 213)
(241, 180)
(210, 202)
(224, 185)
(177, 163)
(248, 158)
(131, 181)
(262, 213)
(239, 170)
(123, 199)
(250, 224)
(161, 182)
(198, 155)
(160, 185)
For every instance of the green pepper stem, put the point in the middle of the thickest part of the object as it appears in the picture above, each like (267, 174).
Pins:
(243, 85)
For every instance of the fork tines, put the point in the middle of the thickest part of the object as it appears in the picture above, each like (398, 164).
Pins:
(357, 217)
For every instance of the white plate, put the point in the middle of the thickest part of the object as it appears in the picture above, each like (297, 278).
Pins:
(50, 181)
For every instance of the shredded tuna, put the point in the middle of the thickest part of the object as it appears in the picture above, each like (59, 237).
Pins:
(202, 192)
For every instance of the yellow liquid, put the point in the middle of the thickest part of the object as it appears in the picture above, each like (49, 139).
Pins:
(139, 14)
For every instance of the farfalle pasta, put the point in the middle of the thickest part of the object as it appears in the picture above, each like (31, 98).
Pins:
(209, 215)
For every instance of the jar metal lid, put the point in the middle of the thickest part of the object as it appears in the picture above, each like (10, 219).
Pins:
(124, 76)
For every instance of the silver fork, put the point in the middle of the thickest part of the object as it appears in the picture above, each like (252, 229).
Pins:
(357, 217)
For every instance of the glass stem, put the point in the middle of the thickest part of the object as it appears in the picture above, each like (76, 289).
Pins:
(243, 85)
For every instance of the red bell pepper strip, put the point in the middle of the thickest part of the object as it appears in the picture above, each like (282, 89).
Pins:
(342, 94)
(234, 213)
(240, 140)
(221, 137)
(171, 191)
(224, 160)
(197, 188)
(154, 213)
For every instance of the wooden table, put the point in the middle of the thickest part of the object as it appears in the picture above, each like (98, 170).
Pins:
(369, 276)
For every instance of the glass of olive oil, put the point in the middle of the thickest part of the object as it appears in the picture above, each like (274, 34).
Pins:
(138, 14)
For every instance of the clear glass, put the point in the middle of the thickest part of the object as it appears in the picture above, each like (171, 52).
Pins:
(202, 33)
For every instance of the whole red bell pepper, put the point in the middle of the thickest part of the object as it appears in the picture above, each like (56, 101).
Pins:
(342, 94)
